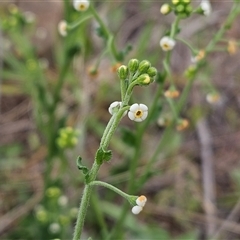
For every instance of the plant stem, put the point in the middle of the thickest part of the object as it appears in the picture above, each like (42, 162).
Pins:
(82, 212)
(111, 127)
(111, 187)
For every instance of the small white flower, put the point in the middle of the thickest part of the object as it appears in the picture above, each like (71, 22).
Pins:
(29, 17)
(136, 209)
(62, 200)
(62, 28)
(214, 98)
(138, 112)
(141, 201)
(81, 5)
(114, 105)
(54, 228)
(206, 7)
(167, 43)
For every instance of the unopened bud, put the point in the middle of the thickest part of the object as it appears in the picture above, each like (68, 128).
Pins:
(144, 66)
(122, 72)
(165, 9)
(144, 79)
(133, 65)
(152, 71)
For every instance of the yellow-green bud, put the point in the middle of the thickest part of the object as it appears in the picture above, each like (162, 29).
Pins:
(133, 65)
(152, 72)
(165, 9)
(144, 79)
(175, 1)
(122, 72)
(144, 66)
(180, 8)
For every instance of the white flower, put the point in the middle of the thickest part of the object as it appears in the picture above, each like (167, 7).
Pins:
(62, 200)
(214, 98)
(206, 7)
(62, 28)
(81, 5)
(136, 209)
(141, 201)
(54, 228)
(138, 112)
(113, 105)
(29, 17)
(167, 43)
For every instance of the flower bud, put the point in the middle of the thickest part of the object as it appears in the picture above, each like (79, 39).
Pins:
(152, 71)
(122, 72)
(182, 124)
(175, 1)
(133, 65)
(165, 9)
(144, 66)
(144, 79)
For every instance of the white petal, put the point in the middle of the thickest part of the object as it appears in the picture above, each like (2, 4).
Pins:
(138, 119)
(141, 201)
(134, 107)
(136, 209)
(144, 116)
(131, 115)
(143, 107)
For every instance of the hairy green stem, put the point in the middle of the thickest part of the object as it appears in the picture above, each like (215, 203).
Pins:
(111, 187)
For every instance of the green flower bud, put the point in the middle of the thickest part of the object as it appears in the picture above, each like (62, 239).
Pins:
(180, 8)
(190, 71)
(152, 71)
(53, 192)
(175, 1)
(133, 65)
(188, 9)
(144, 66)
(144, 79)
(122, 72)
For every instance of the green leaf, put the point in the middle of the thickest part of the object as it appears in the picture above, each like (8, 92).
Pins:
(81, 167)
(103, 155)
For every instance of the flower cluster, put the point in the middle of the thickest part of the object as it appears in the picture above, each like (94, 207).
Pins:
(135, 73)
(140, 201)
(67, 137)
(180, 7)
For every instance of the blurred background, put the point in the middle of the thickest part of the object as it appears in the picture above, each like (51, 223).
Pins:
(204, 157)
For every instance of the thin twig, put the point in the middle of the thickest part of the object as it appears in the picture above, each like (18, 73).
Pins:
(208, 176)
(154, 210)
(234, 215)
